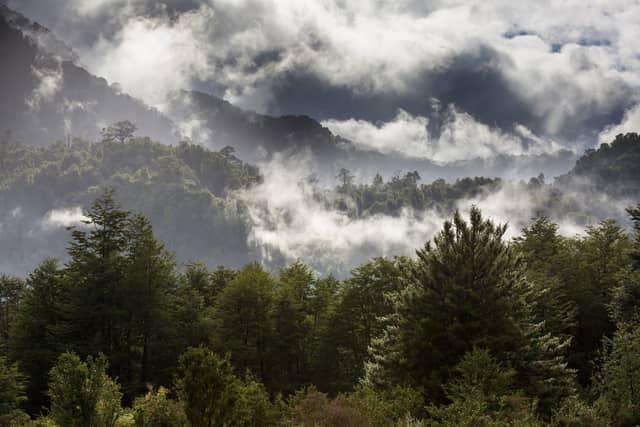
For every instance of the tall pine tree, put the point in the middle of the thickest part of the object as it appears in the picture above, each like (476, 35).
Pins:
(468, 290)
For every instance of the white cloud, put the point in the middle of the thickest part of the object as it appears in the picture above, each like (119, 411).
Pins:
(567, 60)
(630, 123)
(461, 137)
(50, 81)
(66, 217)
(297, 223)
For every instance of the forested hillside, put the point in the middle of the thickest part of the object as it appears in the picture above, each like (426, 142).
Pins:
(476, 330)
(47, 97)
(182, 189)
(612, 168)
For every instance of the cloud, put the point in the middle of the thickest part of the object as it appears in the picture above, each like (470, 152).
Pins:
(66, 217)
(49, 83)
(563, 69)
(461, 137)
(630, 123)
(297, 223)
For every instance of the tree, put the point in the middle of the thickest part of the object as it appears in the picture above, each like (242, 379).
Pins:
(119, 131)
(37, 336)
(12, 387)
(634, 213)
(11, 290)
(150, 282)
(482, 393)
(361, 311)
(547, 258)
(242, 324)
(468, 290)
(207, 388)
(96, 274)
(345, 177)
(292, 325)
(82, 394)
(617, 381)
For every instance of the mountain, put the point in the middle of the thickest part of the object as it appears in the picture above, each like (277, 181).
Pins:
(255, 136)
(182, 189)
(612, 168)
(47, 97)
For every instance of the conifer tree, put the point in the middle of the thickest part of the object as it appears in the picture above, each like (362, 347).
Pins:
(468, 290)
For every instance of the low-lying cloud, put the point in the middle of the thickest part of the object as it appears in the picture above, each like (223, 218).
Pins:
(289, 216)
(461, 137)
(630, 123)
(49, 82)
(65, 217)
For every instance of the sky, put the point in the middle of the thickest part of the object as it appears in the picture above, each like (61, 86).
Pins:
(434, 81)
(412, 78)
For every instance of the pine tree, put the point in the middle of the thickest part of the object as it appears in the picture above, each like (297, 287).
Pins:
(36, 339)
(468, 290)
(634, 213)
(96, 276)
(242, 321)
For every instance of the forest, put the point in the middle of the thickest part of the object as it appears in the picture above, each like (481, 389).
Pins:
(475, 330)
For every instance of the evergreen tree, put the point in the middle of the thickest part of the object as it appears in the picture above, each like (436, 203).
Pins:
(36, 340)
(96, 273)
(11, 291)
(150, 283)
(361, 311)
(242, 324)
(634, 213)
(468, 290)
(291, 319)
(12, 386)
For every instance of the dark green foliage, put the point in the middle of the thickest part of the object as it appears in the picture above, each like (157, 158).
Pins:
(82, 394)
(468, 290)
(360, 313)
(242, 321)
(209, 390)
(634, 213)
(36, 339)
(12, 387)
(120, 131)
(11, 292)
(612, 168)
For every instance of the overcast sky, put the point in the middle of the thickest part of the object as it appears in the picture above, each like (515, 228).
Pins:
(396, 74)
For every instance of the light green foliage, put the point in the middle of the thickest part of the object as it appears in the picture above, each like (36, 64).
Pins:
(482, 393)
(155, 409)
(82, 394)
(573, 412)
(617, 381)
(12, 386)
(363, 407)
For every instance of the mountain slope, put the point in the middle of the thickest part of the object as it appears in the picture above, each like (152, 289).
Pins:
(46, 97)
(255, 136)
(612, 168)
